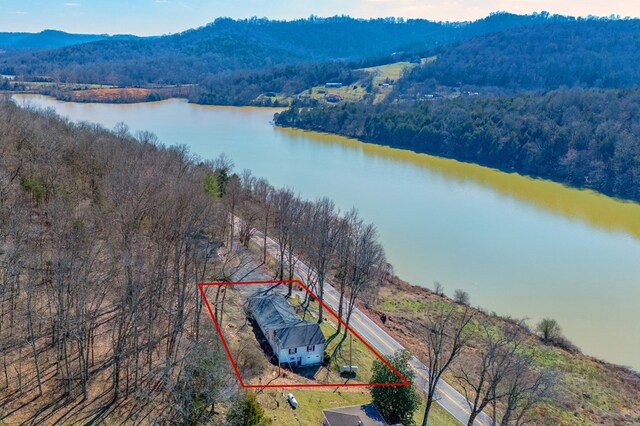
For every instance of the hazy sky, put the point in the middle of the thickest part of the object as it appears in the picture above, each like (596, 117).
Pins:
(145, 17)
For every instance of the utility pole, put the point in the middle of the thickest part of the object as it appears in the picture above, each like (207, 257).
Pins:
(350, 353)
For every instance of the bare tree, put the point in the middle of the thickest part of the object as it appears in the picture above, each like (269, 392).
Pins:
(524, 388)
(344, 257)
(263, 193)
(438, 288)
(369, 264)
(283, 201)
(323, 237)
(484, 384)
(446, 333)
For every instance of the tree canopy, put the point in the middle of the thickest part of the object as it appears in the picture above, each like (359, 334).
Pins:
(396, 403)
(586, 138)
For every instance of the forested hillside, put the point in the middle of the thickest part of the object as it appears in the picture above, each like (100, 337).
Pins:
(586, 138)
(243, 87)
(579, 53)
(103, 236)
(226, 45)
(51, 39)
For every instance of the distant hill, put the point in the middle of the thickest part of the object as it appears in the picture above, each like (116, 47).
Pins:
(51, 39)
(576, 53)
(227, 45)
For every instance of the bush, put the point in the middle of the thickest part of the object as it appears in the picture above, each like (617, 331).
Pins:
(461, 297)
(245, 411)
(326, 359)
(549, 330)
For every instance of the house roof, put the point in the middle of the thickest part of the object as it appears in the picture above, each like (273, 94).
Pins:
(275, 314)
(357, 415)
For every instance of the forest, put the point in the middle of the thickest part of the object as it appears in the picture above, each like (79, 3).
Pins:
(582, 53)
(104, 236)
(253, 44)
(51, 39)
(585, 138)
(237, 62)
(246, 87)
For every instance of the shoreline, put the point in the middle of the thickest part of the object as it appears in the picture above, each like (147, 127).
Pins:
(363, 141)
(432, 162)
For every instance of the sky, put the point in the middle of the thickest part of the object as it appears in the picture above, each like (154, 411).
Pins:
(156, 17)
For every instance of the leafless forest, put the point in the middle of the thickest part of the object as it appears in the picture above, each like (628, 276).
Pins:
(104, 237)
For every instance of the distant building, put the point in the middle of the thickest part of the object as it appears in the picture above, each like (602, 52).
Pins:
(357, 415)
(334, 85)
(294, 341)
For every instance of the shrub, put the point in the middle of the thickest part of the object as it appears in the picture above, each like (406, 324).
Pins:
(245, 411)
(549, 330)
(326, 359)
(461, 297)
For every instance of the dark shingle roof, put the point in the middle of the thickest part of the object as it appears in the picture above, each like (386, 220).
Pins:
(367, 415)
(274, 313)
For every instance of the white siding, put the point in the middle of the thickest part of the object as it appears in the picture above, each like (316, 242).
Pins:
(305, 357)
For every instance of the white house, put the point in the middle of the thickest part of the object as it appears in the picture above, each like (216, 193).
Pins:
(297, 342)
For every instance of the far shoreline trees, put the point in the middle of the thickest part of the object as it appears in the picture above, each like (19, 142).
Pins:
(575, 136)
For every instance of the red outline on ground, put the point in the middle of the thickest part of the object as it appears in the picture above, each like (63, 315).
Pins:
(404, 381)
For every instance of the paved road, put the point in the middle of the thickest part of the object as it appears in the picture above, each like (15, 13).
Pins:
(450, 399)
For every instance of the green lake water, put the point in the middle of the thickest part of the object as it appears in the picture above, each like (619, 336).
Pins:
(519, 246)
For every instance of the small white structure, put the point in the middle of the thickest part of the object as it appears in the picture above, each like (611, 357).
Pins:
(292, 400)
(349, 368)
(296, 342)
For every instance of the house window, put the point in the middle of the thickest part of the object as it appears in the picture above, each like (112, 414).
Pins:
(311, 348)
(293, 351)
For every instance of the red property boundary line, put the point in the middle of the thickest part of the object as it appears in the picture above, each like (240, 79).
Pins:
(201, 286)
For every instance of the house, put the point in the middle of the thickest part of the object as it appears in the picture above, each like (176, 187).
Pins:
(334, 85)
(357, 415)
(294, 341)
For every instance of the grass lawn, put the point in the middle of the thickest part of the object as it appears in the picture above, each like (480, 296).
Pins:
(390, 71)
(438, 416)
(349, 92)
(312, 402)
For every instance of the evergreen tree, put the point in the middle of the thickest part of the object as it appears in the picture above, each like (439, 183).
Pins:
(245, 411)
(396, 403)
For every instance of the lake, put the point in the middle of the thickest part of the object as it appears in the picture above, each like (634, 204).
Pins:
(519, 246)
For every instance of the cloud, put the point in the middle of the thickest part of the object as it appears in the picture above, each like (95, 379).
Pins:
(162, 1)
(72, 4)
(22, 12)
